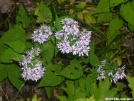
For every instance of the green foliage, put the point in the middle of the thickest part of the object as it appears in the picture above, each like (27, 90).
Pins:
(58, 24)
(74, 89)
(104, 17)
(43, 13)
(3, 73)
(22, 17)
(15, 45)
(48, 50)
(72, 71)
(103, 6)
(94, 61)
(74, 76)
(128, 16)
(13, 73)
(51, 77)
(16, 33)
(86, 99)
(114, 3)
(103, 90)
(131, 83)
(114, 27)
(9, 55)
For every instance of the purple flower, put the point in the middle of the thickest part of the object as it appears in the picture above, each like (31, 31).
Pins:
(41, 34)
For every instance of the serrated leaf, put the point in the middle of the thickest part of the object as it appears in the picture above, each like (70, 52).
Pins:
(17, 46)
(131, 82)
(43, 12)
(128, 16)
(10, 55)
(69, 89)
(103, 90)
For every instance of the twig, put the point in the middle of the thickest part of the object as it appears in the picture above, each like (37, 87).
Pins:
(4, 93)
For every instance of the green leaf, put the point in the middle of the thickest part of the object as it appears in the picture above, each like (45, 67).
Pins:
(103, 90)
(71, 72)
(50, 79)
(43, 12)
(128, 16)
(94, 60)
(17, 46)
(22, 17)
(132, 4)
(88, 84)
(114, 28)
(62, 98)
(14, 72)
(49, 51)
(131, 83)
(10, 55)
(80, 88)
(114, 3)
(58, 24)
(104, 17)
(3, 73)
(2, 49)
(48, 91)
(131, 27)
(81, 5)
(103, 6)
(16, 33)
(69, 89)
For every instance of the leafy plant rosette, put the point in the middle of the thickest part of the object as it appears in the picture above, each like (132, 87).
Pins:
(35, 58)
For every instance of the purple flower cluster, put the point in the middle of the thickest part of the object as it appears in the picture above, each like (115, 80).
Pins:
(41, 34)
(71, 39)
(32, 68)
(100, 70)
(115, 75)
(118, 75)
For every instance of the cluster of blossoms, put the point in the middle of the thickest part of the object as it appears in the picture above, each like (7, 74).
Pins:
(41, 34)
(32, 68)
(71, 39)
(115, 75)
